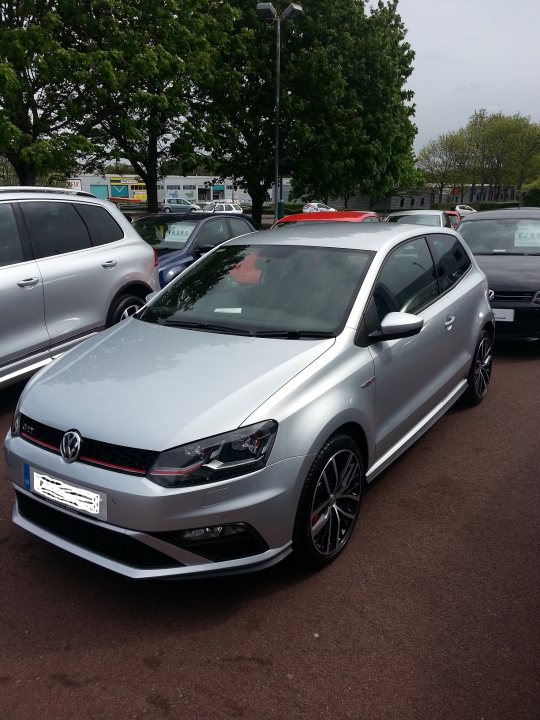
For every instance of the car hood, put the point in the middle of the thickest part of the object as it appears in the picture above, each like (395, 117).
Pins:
(154, 387)
(506, 273)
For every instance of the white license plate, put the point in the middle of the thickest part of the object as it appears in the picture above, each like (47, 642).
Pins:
(502, 315)
(71, 496)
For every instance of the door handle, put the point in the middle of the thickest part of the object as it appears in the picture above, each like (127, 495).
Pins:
(449, 322)
(29, 282)
(109, 264)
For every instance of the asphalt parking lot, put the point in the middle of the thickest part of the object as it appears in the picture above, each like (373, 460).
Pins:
(431, 612)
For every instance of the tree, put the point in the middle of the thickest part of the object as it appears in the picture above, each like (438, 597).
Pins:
(437, 161)
(39, 88)
(344, 123)
(146, 56)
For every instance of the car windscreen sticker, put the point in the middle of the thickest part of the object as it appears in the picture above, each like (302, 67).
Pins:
(527, 234)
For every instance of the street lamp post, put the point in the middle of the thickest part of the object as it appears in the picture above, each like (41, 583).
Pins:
(267, 11)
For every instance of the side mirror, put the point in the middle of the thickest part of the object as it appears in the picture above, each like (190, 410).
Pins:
(397, 325)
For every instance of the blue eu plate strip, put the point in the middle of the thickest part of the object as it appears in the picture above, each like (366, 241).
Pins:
(26, 476)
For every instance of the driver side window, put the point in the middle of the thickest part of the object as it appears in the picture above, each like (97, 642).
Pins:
(213, 232)
(408, 280)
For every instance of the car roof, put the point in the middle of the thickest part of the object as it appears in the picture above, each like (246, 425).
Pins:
(343, 215)
(417, 212)
(189, 217)
(33, 192)
(532, 213)
(360, 236)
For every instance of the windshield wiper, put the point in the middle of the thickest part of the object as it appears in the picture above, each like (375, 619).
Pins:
(295, 334)
(210, 327)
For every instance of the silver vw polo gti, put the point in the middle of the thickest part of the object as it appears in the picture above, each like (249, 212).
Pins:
(237, 416)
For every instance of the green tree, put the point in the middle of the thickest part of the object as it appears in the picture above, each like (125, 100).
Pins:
(345, 125)
(40, 88)
(146, 56)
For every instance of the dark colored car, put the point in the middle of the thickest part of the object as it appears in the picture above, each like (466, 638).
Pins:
(179, 240)
(506, 244)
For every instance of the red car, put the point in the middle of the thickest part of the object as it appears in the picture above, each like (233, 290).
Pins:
(455, 217)
(339, 216)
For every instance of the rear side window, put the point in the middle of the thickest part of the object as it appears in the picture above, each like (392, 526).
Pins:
(239, 227)
(11, 251)
(213, 232)
(55, 228)
(101, 225)
(451, 260)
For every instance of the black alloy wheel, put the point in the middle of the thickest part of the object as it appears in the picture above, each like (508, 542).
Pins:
(329, 503)
(480, 372)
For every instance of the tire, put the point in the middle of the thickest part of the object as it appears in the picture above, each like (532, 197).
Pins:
(325, 519)
(123, 307)
(167, 210)
(479, 375)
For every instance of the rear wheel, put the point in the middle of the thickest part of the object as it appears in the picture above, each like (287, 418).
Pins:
(480, 372)
(123, 307)
(329, 503)
(167, 210)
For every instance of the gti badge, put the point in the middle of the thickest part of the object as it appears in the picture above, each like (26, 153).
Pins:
(70, 446)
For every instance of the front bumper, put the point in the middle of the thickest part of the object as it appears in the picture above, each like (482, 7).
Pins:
(140, 536)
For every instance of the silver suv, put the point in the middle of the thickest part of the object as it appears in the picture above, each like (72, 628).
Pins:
(70, 265)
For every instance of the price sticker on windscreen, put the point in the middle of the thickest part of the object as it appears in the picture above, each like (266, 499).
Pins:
(527, 235)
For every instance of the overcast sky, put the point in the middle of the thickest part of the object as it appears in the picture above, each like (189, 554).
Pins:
(472, 54)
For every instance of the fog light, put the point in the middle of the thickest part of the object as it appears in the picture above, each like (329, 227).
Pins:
(211, 533)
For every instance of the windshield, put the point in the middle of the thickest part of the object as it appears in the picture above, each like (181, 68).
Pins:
(265, 290)
(507, 236)
(165, 235)
(415, 219)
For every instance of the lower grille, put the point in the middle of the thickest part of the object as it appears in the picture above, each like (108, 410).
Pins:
(107, 543)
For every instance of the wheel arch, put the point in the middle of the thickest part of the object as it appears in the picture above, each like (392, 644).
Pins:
(140, 289)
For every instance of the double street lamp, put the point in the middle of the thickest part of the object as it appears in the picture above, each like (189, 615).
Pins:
(268, 12)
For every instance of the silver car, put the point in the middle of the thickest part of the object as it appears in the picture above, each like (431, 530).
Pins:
(236, 418)
(70, 265)
(435, 218)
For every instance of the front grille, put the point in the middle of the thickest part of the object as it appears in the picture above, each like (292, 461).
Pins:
(512, 297)
(122, 459)
(88, 535)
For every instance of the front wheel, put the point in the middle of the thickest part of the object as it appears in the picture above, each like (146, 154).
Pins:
(479, 375)
(329, 503)
(123, 307)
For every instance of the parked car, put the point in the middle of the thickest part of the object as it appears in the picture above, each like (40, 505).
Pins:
(463, 209)
(179, 241)
(70, 265)
(283, 397)
(178, 205)
(222, 206)
(336, 216)
(506, 244)
(434, 218)
(312, 207)
(455, 217)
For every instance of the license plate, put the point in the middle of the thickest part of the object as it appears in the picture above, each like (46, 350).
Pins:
(502, 315)
(71, 496)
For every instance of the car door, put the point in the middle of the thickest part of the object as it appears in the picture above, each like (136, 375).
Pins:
(412, 375)
(22, 324)
(78, 278)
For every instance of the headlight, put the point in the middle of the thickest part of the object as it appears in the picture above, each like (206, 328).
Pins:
(216, 458)
(16, 421)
